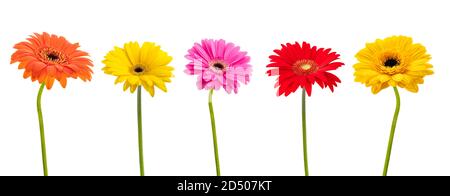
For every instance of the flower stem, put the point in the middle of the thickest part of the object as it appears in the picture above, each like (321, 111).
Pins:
(41, 128)
(305, 146)
(391, 137)
(141, 148)
(213, 125)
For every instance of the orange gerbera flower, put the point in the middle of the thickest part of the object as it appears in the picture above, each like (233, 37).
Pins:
(48, 57)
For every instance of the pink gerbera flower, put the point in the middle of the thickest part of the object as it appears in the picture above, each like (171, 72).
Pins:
(218, 64)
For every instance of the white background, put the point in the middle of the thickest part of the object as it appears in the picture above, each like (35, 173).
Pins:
(91, 127)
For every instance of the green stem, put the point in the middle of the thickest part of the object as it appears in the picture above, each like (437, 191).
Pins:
(41, 128)
(391, 137)
(141, 148)
(305, 146)
(213, 125)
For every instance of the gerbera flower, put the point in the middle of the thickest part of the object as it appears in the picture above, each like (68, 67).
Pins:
(218, 64)
(302, 66)
(394, 61)
(48, 57)
(136, 66)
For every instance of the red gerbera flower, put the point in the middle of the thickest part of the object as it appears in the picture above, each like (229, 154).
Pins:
(302, 66)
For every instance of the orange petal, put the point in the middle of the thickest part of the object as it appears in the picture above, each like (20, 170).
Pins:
(45, 38)
(42, 75)
(63, 81)
(50, 82)
(37, 66)
(51, 70)
(78, 53)
(22, 65)
(26, 74)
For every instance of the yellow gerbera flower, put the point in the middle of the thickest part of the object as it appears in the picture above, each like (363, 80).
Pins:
(394, 61)
(139, 66)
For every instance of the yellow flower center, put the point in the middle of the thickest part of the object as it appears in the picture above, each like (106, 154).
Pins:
(304, 67)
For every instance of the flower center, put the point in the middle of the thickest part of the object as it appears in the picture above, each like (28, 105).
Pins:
(51, 55)
(304, 67)
(218, 66)
(138, 69)
(391, 62)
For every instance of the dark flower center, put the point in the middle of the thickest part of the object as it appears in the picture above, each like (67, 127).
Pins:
(53, 56)
(219, 66)
(138, 69)
(391, 62)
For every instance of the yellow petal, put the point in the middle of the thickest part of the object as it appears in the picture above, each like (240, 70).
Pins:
(161, 72)
(398, 77)
(366, 73)
(362, 66)
(379, 79)
(133, 80)
(133, 52)
(166, 79)
(158, 82)
(126, 85)
(119, 57)
(146, 52)
(152, 53)
(420, 73)
(117, 62)
(133, 88)
(146, 79)
(149, 87)
(392, 83)
(413, 87)
(419, 67)
(376, 88)
(120, 79)
(162, 59)
(366, 56)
